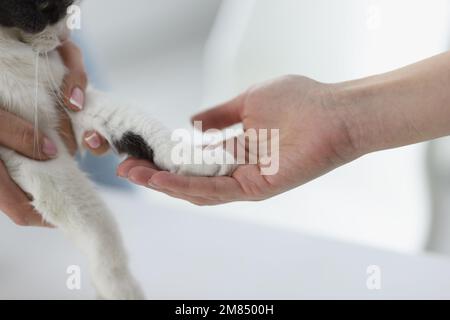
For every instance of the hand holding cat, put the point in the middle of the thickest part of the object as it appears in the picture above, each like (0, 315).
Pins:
(75, 85)
(322, 126)
(308, 133)
(18, 135)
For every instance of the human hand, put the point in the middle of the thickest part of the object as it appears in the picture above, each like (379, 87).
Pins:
(75, 84)
(19, 135)
(313, 139)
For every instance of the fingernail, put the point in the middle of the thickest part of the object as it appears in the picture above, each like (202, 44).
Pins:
(49, 148)
(132, 179)
(152, 184)
(123, 174)
(77, 98)
(120, 174)
(93, 141)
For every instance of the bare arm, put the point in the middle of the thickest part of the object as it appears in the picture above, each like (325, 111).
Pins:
(322, 126)
(399, 108)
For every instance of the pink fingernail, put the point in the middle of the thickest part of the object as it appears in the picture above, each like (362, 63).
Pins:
(49, 148)
(77, 98)
(120, 174)
(152, 184)
(93, 141)
(133, 179)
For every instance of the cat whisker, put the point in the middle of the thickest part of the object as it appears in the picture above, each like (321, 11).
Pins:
(36, 106)
(55, 88)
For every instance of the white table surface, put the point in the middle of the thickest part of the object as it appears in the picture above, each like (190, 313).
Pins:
(186, 255)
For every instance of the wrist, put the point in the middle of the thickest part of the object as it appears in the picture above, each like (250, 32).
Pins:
(369, 115)
(354, 131)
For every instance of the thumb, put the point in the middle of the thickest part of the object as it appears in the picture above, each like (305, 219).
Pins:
(222, 116)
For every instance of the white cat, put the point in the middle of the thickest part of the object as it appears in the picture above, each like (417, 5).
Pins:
(31, 73)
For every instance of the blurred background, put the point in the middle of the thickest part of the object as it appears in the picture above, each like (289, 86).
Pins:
(177, 57)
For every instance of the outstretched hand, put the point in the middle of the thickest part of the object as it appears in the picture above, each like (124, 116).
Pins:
(312, 141)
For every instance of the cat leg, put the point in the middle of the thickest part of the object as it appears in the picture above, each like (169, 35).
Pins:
(132, 133)
(66, 199)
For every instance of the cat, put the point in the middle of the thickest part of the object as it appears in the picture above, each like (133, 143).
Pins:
(31, 75)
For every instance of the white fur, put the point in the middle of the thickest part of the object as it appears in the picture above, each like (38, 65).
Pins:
(60, 191)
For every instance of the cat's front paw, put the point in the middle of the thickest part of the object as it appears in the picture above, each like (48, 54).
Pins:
(181, 159)
(211, 163)
(204, 170)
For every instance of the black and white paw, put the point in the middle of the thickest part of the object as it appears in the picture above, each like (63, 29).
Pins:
(207, 166)
(212, 163)
(133, 145)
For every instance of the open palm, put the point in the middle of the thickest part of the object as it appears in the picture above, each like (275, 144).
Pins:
(312, 141)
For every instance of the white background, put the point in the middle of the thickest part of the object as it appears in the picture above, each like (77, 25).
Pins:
(163, 55)
(154, 54)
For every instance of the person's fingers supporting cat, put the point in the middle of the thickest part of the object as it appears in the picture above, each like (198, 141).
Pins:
(200, 191)
(96, 144)
(15, 204)
(20, 136)
(76, 80)
(141, 173)
(75, 84)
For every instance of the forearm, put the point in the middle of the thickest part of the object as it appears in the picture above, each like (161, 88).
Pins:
(403, 107)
